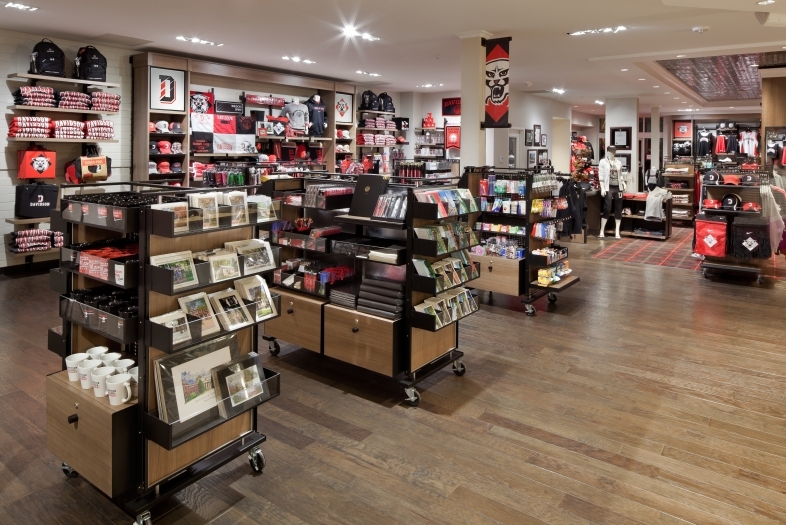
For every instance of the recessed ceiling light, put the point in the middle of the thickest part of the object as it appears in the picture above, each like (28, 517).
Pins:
(766, 2)
(731, 107)
(625, 69)
(575, 106)
(558, 91)
(684, 102)
(655, 87)
(599, 102)
(21, 7)
(599, 31)
(298, 59)
(359, 72)
(430, 85)
(195, 40)
(642, 79)
(676, 98)
(351, 32)
(667, 92)
(681, 56)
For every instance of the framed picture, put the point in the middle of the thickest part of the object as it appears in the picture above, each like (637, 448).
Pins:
(528, 134)
(683, 129)
(344, 109)
(184, 382)
(532, 158)
(237, 199)
(451, 107)
(536, 136)
(543, 141)
(230, 310)
(621, 137)
(167, 89)
(624, 160)
(258, 257)
(180, 210)
(240, 385)
(198, 305)
(178, 322)
(255, 289)
(543, 157)
(182, 266)
(264, 129)
(224, 266)
(209, 204)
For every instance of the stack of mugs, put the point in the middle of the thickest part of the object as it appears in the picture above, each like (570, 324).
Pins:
(106, 373)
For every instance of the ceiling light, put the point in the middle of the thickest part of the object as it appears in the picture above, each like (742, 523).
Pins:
(766, 2)
(700, 29)
(684, 102)
(351, 32)
(624, 69)
(676, 98)
(642, 79)
(558, 91)
(575, 106)
(21, 7)
(599, 31)
(731, 107)
(599, 102)
(298, 59)
(754, 65)
(687, 110)
(667, 92)
(195, 40)
(681, 56)
(655, 87)
(359, 72)
(430, 85)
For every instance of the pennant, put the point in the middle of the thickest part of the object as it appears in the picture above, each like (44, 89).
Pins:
(497, 78)
(453, 137)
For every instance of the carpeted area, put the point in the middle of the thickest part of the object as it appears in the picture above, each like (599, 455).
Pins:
(674, 252)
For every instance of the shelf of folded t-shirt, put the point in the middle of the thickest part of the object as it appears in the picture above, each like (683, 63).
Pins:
(369, 146)
(640, 217)
(563, 284)
(428, 285)
(51, 251)
(370, 112)
(197, 330)
(166, 281)
(371, 222)
(430, 210)
(678, 176)
(361, 248)
(166, 224)
(50, 139)
(64, 110)
(429, 248)
(344, 141)
(429, 129)
(62, 80)
(380, 129)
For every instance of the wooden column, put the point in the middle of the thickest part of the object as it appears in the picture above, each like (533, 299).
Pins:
(773, 100)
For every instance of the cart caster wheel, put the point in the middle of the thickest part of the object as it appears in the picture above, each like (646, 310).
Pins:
(458, 368)
(530, 310)
(413, 397)
(68, 471)
(705, 274)
(257, 460)
(274, 348)
(761, 279)
(144, 519)
(552, 297)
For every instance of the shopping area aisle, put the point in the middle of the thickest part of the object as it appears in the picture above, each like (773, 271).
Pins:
(648, 395)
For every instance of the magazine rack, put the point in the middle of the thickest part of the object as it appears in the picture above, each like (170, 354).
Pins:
(126, 451)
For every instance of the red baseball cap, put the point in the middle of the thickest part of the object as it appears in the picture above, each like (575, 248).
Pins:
(751, 206)
(151, 127)
(727, 179)
(163, 167)
(165, 147)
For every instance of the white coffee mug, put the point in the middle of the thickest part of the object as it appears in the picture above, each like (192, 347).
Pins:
(99, 377)
(134, 373)
(122, 365)
(110, 358)
(85, 368)
(97, 351)
(72, 362)
(118, 388)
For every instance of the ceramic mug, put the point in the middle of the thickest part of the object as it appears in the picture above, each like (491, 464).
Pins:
(122, 365)
(134, 373)
(85, 368)
(110, 358)
(72, 362)
(97, 351)
(118, 389)
(99, 377)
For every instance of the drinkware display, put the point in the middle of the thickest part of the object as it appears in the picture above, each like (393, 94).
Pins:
(98, 377)
(72, 362)
(118, 389)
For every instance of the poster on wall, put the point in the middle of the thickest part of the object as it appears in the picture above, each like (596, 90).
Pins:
(343, 108)
(451, 107)
(683, 129)
(202, 102)
(167, 89)
(497, 91)
(452, 137)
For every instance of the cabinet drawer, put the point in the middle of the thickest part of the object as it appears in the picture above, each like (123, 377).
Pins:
(300, 321)
(363, 340)
(498, 274)
(99, 444)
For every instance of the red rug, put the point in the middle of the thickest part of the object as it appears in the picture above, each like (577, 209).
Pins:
(674, 252)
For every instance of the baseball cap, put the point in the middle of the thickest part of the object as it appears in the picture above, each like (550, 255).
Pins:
(751, 206)
(727, 179)
(151, 127)
(154, 147)
(177, 167)
(713, 204)
(731, 201)
(152, 168)
(175, 127)
(164, 147)
(711, 177)
(162, 126)
(163, 167)
(750, 180)
(177, 147)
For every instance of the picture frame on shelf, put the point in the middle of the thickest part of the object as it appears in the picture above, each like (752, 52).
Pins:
(621, 138)
(240, 385)
(528, 134)
(532, 158)
(536, 135)
(180, 209)
(543, 141)
(182, 266)
(198, 305)
(224, 266)
(258, 257)
(255, 289)
(167, 89)
(178, 322)
(230, 310)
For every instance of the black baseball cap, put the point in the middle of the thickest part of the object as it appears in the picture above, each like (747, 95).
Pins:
(711, 177)
(731, 201)
(154, 147)
(750, 180)
(177, 167)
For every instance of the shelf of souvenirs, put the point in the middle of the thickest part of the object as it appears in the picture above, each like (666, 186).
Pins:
(61, 80)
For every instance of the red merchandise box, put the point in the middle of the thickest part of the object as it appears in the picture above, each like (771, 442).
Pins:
(36, 162)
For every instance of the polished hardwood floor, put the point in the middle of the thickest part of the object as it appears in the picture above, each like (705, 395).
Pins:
(648, 395)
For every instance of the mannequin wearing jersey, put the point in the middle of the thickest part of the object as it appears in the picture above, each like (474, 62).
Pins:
(612, 184)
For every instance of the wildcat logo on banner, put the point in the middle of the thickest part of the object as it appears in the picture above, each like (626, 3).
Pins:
(497, 79)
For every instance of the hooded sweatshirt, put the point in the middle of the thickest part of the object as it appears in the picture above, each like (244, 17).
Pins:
(317, 116)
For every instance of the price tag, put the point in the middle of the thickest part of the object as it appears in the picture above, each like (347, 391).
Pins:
(102, 212)
(710, 241)
(120, 275)
(85, 209)
(117, 214)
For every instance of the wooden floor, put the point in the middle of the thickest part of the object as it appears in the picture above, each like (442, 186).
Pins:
(649, 395)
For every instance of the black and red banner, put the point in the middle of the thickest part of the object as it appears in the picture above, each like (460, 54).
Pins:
(451, 107)
(452, 137)
(497, 91)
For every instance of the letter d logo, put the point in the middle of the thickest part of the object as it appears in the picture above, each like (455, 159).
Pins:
(168, 92)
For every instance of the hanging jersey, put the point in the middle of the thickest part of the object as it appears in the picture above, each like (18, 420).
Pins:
(705, 144)
(748, 143)
(732, 144)
(720, 144)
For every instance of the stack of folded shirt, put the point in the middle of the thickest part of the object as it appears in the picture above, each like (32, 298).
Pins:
(370, 123)
(368, 138)
(67, 129)
(29, 127)
(379, 140)
(33, 240)
(102, 101)
(390, 140)
(43, 97)
(381, 298)
(57, 239)
(100, 129)
(73, 100)
(389, 124)
(380, 123)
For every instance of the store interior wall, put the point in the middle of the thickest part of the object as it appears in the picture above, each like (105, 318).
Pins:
(15, 51)
(560, 151)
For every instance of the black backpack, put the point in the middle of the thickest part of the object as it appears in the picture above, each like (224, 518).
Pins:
(47, 59)
(386, 103)
(369, 101)
(89, 64)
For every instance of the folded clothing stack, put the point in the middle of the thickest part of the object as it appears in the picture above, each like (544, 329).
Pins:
(35, 240)
(102, 101)
(390, 140)
(346, 295)
(380, 123)
(29, 127)
(389, 124)
(368, 138)
(100, 129)
(73, 100)
(42, 97)
(381, 298)
(370, 123)
(379, 140)
(67, 129)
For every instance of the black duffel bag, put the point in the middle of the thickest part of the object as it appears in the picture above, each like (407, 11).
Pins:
(35, 201)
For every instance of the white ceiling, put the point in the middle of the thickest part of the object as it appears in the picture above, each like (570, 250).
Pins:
(418, 38)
